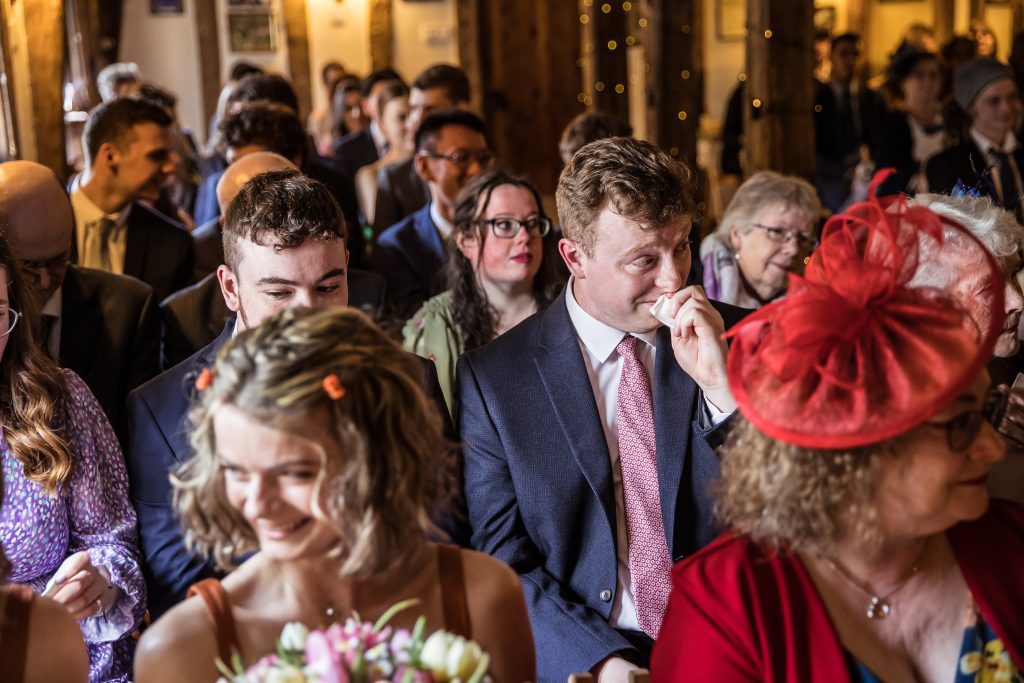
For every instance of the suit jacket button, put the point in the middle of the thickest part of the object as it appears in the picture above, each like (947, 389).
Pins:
(606, 595)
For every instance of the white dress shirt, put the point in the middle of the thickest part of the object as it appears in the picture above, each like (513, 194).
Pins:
(1009, 146)
(87, 216)
(604, 367)
(444, 226)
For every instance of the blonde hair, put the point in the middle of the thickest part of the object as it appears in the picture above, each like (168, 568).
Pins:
(397, 469)
(801, 499)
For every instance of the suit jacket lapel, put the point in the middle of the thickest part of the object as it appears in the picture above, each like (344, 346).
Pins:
(433, 245)
(564, 375)
(205, 359)
(79, 332)
(674, 394)
(136, 243)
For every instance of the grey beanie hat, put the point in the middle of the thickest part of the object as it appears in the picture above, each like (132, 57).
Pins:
(973, 76)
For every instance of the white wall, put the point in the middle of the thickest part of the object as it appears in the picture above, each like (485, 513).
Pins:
(166, 49)
(425, 34)
(339, 32)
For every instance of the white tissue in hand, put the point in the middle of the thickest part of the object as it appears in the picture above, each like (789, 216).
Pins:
(660, 310)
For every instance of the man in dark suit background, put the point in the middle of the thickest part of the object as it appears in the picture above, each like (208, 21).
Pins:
(101, 325)
(451, 149)
(356, 150)
(577, 474)
(128, 154)
(846, 118)
(989, 158)
(400, 189)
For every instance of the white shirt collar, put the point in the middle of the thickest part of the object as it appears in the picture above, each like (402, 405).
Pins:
(1009, 145)
(599, 338)
(444, 226)
(379, 141)
(86, 211)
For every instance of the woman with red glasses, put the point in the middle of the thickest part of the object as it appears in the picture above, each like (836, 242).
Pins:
(863, 545)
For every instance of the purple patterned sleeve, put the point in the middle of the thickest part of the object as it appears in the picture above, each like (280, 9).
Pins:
(102, 520)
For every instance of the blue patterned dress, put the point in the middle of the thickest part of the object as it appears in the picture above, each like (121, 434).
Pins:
(92, 512)
(983, 659)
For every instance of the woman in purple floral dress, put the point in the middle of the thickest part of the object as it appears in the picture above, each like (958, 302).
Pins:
(66, 524)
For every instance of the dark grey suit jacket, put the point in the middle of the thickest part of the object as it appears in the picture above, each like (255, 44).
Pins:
(110, 336)
(400, 193)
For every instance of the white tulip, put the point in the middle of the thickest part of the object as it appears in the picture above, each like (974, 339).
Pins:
(293, 636)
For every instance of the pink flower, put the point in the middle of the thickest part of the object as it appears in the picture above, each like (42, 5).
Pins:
(322, 658)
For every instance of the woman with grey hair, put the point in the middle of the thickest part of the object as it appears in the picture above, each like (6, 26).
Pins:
(766, 233)
(999, 231)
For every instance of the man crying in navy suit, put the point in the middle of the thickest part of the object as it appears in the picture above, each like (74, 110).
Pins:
(588, 429)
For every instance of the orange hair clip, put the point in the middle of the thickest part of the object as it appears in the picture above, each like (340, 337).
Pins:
(333, 387)
(204, 380)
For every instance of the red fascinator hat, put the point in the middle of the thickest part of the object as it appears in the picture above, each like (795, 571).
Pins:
(897, 313)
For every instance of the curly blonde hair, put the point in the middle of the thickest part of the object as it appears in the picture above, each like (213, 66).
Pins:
(397, 468)
(800, 499)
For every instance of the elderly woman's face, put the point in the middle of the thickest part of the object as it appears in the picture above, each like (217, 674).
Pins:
(270, 476)
(768, 249)
(927, 486)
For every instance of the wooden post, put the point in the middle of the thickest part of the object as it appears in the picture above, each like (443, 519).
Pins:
(467, 19)
(298, 53)
(527, 95)
(675, 76)
(209, 57)
(780, 59)
(604, 38)
(857, 14)
(35, 33)
(382, 34)
(944, 20)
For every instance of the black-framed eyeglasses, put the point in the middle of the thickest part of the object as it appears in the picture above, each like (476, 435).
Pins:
(12, 320)
(462, 160)
(783, 235)
(507, 228)
(963, 429)
(31, 268)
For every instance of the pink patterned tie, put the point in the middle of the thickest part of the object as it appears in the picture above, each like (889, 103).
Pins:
(649, 561)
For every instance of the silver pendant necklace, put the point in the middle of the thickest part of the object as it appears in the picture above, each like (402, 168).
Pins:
(879, 606)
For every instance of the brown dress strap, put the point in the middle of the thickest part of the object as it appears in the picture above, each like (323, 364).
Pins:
(453, 591)
(14, 632)
(217, 606)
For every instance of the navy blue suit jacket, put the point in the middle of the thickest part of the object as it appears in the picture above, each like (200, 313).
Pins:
(158, 442)
(538, 479)
(410, 255)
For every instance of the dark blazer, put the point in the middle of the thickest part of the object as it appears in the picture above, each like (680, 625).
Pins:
(410, 256)
(193, 317)
(826, 120)
(354, 151)
(159, 442)
(110, 336)
(158, 251)
(965, 162)
(400, 192)
(538, 479)
(894, 149)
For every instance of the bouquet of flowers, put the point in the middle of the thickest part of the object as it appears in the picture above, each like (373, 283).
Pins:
(360, 652)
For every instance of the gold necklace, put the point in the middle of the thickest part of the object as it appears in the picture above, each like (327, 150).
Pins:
(879, 606)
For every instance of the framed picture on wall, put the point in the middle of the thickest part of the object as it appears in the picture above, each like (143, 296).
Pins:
(252, 32)
(248, 3)
(166, 6)
(731, 19)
